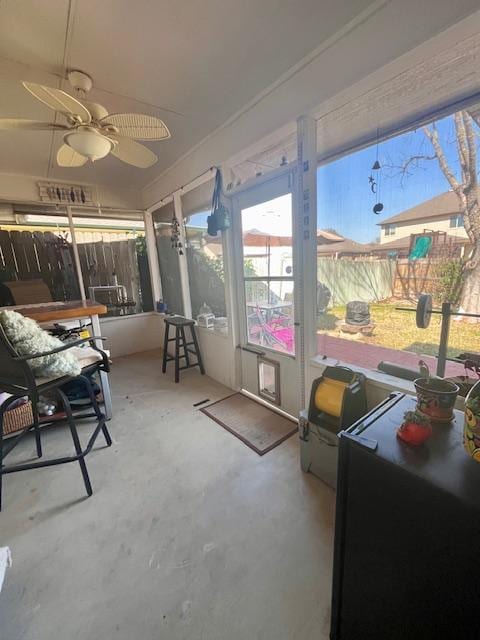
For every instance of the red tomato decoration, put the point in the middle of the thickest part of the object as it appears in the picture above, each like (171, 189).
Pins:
(415, 429)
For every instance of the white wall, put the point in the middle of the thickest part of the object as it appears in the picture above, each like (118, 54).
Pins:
(405, 229)
(218, 353)
(18, 188)
(132, 334)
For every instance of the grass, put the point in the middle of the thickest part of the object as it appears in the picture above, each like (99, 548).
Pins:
(397, 330)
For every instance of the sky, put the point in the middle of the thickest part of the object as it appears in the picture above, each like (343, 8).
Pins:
(344, 197)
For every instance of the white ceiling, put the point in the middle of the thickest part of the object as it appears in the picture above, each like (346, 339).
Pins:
(198, 61)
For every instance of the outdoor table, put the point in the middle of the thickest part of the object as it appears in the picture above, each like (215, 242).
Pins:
(269, 308)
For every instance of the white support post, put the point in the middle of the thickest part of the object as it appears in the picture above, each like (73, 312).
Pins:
(152, 257)
(76, 256)
(182, 259)
(307, 236)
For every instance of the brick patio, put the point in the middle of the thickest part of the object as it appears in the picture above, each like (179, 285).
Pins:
(369, 355)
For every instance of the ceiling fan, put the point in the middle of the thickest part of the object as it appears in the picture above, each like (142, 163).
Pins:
(91, 132)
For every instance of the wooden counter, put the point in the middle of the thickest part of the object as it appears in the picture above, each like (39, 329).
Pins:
(54, 311)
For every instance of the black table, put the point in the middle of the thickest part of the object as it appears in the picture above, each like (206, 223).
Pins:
(407, 535)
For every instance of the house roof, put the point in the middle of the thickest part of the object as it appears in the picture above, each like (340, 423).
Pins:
(345, 246)
(325, 236)
(440, 206)
(404, 243)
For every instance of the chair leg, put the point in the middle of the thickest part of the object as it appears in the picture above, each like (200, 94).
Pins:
(96, 408)
(76, 441)
(177, 354)
(36, 427)
(165, 347)
(197, 349)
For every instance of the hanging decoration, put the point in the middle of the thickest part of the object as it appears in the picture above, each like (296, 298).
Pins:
(374, 181)
(219, 219)
(176, 237)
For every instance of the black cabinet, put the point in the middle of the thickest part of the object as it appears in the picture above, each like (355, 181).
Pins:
(407, 536)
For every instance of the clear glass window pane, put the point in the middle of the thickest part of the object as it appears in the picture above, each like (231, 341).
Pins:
(205, 267)
(168, 259)
(270, 314)
(267, 238)
(390, 227)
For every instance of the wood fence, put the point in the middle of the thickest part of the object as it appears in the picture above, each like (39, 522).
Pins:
(413, 277)
(27, 255)
(101, 260)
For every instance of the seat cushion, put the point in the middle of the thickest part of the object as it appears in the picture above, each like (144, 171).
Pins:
(86, 355)
(28, 338)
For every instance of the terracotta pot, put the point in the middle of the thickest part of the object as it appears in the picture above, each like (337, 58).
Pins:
(414, 433)
(436, 398)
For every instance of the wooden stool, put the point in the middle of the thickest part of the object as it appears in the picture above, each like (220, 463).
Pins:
(179, 322)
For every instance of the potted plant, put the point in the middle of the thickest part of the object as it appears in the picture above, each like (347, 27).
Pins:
(415, 428)
(471, 431)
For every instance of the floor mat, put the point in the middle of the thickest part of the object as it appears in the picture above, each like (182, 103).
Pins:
(257, 426)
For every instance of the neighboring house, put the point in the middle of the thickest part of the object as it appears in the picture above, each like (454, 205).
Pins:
(437, 214)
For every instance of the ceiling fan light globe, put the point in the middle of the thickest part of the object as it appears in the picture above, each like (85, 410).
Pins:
(89, 143)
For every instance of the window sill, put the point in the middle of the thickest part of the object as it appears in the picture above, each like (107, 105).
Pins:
(143, 314)
(380, 379)
(210, 330)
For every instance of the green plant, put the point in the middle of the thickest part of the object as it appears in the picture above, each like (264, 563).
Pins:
(141, 245)
(449, 284)
(416, 417)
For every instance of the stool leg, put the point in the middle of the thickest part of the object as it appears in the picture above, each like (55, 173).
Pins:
(177, 354)
(185, 348)
(165, 347)
(197, 349)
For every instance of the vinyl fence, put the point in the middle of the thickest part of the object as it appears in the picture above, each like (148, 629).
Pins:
(365, 280)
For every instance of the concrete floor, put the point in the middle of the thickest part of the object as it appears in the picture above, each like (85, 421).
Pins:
(189, 533)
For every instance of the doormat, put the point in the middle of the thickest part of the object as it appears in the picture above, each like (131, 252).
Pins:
(257, 426)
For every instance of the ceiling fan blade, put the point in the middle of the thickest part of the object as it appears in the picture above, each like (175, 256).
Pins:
(132, 152)
(137, 125)
(59, 101)
(30, 125)
(68, 157)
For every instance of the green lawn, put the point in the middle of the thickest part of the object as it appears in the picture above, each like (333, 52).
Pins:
(397, 330)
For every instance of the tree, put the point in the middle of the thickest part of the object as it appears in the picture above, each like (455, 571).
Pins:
(467, 194)
(465, 187)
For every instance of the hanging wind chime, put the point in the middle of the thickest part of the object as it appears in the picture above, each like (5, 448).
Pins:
(374, 181)
(176, 237)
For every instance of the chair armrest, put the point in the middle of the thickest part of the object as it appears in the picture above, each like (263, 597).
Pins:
(63, 347)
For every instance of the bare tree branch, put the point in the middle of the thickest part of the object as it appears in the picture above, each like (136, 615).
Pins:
(406, 168)
(472, 148)
(432, 135)
(462, 147)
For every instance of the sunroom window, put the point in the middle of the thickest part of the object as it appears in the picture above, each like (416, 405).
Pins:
(412, 187)
(204, 253)
(168, 259)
